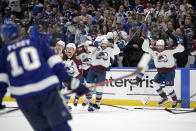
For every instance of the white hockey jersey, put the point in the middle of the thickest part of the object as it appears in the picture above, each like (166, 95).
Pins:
(164, 61)
(84, 57)
(73, 66)
(101, 58)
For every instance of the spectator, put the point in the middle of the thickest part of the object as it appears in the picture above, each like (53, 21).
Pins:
(76, 21)
(27, 19)
(133, 51)
(98, 18)
(7, 15)
(121, 15)
(84, 15)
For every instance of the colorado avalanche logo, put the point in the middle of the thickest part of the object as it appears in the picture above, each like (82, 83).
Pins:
(102, 55)
(162, 58)
(86, 62)
(70, 69)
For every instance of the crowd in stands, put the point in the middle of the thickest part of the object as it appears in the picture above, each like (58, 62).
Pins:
(75, 21)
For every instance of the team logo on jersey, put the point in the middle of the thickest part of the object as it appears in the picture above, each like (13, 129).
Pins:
(70, 68)
(85, 60)
(102, 55)
(162, 58)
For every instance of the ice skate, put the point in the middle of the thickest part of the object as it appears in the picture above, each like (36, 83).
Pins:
(163, 101)
(175, 104)
(96, 105)
(2, 106)
(90, 107)
(75, 103)
(86, 101)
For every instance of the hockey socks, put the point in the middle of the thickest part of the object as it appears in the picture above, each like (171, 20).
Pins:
(76, 100)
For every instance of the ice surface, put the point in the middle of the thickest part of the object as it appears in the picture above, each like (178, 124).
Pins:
(110, 119)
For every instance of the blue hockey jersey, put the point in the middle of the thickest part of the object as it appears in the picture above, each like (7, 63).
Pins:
(30, 67)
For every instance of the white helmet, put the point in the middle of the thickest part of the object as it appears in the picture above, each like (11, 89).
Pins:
(110, 35)
(160, 42)
(105, 41)
(86, 43)
(60, 42)
(71, 45)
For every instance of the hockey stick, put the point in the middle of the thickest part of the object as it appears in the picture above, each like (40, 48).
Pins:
(184, 101)
(181, 112)
(138, 28)
(9, 111)
(173, 111)
(116, 106)
(161, 108)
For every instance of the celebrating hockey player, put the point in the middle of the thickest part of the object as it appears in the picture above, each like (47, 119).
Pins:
(73, 66)
(152, 45)
(102, 55)
(165, 63)
(33, 72)
(59, 48)
(84, 55)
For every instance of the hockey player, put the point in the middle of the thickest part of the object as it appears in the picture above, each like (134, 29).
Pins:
(73, 66)
(33, 72)
(59, 48)
(102, 54)
(139, 77)
(2, 90)
(85, 56)
(165, 63)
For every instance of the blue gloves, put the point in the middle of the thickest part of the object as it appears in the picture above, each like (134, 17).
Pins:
(96, 43)
(121, 44)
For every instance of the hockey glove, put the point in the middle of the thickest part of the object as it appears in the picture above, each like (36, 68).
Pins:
(96, 43)
(121, 44)
(2, 107)
(74, 85)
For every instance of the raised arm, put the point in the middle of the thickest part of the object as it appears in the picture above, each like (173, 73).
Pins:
(146, 46)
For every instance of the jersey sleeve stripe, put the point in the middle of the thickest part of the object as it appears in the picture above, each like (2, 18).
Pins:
(35, 87)
(4, 78)
(53, 60)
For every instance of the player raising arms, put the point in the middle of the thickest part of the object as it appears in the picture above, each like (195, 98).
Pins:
(102, 55)
(59, 48)
(33, 72)
(165, 63)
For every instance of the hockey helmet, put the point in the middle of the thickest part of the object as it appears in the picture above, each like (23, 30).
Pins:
(9, 31)
(160, 42)
(62, 43)
(105, 41)
(71, 45)
(110, 36)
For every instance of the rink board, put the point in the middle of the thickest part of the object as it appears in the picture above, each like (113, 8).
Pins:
(124, 92)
